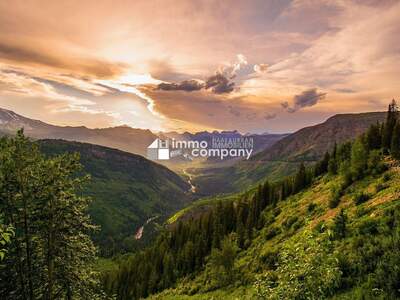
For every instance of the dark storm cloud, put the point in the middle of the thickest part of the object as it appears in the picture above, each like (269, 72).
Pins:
(218, 84)
(307, 98)
(186, 85)
(84, 65)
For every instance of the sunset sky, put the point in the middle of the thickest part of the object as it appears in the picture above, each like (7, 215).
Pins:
(254, 66)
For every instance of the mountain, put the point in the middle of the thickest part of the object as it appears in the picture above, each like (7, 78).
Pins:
(323, 233)
(282, 158)
(122, 137)
(261, 141)
(310, 143)
(127, 190)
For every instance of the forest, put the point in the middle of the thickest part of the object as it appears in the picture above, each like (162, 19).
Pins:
(47, 251)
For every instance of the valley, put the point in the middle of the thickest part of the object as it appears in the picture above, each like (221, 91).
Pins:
(199, 150)
(248, 213)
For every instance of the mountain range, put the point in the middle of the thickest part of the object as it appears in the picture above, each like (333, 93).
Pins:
(305, 145)
(125, 138)
(129, 189)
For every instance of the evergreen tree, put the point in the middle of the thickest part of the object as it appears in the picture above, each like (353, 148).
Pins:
(395, 143)
(389, 125)
(51, 254)
(300, 179)
(333, 164)
(339, 224)
(374, 137)
(359, 158)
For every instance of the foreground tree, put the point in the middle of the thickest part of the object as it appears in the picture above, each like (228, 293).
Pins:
(51, 254)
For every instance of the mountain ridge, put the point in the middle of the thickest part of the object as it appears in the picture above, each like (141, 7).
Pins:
(133, 140)
(126, 188)
(305, 145)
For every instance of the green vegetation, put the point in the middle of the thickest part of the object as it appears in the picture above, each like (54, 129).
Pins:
(126, 189)
(6, 233)
(284, 239)
(51, 254)
(329, 231)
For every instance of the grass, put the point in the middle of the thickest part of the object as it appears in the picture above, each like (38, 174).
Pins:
(287, 222)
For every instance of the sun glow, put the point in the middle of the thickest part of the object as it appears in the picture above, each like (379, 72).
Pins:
(129, 82)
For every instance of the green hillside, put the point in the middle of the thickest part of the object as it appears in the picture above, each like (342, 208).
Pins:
(281, 159)
(127, 190)
(330, 231)
(304, 224)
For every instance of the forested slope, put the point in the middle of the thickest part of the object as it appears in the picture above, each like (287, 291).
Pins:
(329, 231)
(127, 189)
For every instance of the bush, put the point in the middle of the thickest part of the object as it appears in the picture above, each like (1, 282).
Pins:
(375, 163)
(287, 224)
(336, 193)
(271, 232)
(270, 259)
(320, 227)
(306, 269)
(369, 226)
(379, 187)
(311, 207)
(277, 211)
(386, 177)
(360, 197)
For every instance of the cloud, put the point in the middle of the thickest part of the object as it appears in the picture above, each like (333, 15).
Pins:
(269, 116)
(186, 85)
(219, 84)
(83, 65)
(260, 68)
(241, 61)
(209, 110)
(307, 98)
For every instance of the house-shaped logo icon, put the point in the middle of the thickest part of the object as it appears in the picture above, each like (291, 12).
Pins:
(158, 150)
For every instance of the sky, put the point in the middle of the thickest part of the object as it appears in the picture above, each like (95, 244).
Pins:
(254, 66)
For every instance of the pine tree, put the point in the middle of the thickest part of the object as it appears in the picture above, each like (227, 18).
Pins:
(374, 137)
(51, 254)
(300, 179)
(389, 125)
(395, 143)
(359, 158)
(339, 226)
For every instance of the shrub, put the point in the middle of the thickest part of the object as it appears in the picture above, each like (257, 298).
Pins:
(369, 226)
(386, 177)
(306, 269)
(379, 187)
(339, 224)
(277, 211)
(287, 224)
(360, 197)
(336, 193)
(270, 259)
(271, 232)
(320, 227)
(375, 163)
(311, 207)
